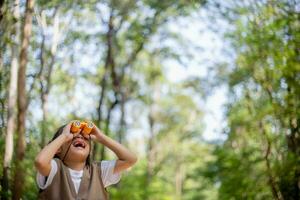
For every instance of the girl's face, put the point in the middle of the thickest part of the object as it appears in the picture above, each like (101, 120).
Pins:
(79, 149)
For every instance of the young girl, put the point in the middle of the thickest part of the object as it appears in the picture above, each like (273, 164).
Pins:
(65, 171)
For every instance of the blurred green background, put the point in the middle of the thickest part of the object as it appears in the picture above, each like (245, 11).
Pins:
(206, 93)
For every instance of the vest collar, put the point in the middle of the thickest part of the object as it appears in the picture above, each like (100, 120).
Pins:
(83, 187)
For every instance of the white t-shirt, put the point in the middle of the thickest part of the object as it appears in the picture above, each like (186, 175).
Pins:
(107, 175)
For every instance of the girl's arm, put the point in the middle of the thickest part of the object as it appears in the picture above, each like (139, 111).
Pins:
(125, 158)
(43, 159)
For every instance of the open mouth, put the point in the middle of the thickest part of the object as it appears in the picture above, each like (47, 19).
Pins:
(79, 144)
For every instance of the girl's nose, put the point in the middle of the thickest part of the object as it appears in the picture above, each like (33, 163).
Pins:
(78, 135)
(82, 136)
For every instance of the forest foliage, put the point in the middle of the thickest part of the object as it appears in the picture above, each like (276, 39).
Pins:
(107, 61)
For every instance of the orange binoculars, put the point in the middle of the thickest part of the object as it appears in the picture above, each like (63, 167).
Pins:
(86, 127)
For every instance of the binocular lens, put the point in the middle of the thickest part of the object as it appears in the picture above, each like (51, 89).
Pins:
(85, 126)
(75, 126)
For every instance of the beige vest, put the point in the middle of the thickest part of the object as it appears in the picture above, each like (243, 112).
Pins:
(62, 187)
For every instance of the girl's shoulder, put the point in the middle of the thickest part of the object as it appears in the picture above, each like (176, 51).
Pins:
(107, 172)
(105, 163)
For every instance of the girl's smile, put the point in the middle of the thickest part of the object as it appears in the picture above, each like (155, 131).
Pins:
(79, 143)
(79, 149)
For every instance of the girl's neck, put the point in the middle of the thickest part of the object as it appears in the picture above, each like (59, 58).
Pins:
(75, 165)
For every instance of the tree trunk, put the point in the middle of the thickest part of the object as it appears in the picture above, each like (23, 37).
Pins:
(179, 178)
(40, 74)
(22, 102)
(107, 123)
(149, 155)
(1, 11)
(2, 48)
(46, 71)
(272, 183)
(122, 118)
(12, 97)
(108, 62)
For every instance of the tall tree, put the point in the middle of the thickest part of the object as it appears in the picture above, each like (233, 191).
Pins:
(22, 101)
(12, 97)
(262, 115)
(3, 45)
(1, 7)
(129, 41)
(1, 17)
(46, 65)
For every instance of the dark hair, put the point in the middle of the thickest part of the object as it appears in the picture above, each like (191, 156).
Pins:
(59, 132)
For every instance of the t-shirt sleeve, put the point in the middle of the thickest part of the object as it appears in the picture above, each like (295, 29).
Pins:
(107, 172)
(42, 181)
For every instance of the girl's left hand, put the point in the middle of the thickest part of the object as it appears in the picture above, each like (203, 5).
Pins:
(96, 134)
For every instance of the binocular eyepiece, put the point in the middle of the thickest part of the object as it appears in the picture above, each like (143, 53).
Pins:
(86, 127)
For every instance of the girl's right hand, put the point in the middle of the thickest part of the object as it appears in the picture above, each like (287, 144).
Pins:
(67, 132)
